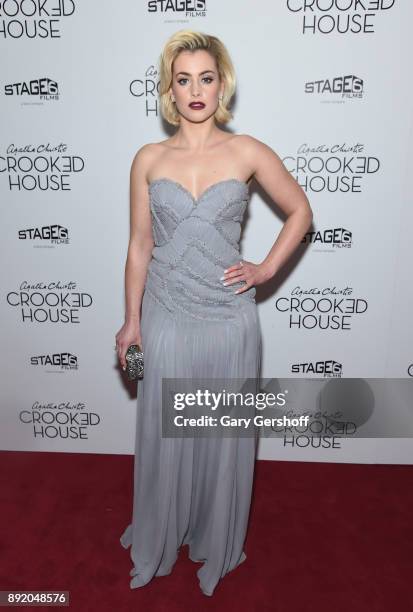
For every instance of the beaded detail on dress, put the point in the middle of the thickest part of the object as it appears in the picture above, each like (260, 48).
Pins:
(196, 239)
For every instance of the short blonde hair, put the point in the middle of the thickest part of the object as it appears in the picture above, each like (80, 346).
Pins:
(189, 40)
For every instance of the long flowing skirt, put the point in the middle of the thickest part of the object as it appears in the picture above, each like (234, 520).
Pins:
(194, 491)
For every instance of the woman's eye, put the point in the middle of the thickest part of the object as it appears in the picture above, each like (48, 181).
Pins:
(207, 79)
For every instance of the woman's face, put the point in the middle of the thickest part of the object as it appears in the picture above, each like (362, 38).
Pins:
(195, 79)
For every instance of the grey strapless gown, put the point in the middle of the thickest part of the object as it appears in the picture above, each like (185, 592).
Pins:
(194, 491)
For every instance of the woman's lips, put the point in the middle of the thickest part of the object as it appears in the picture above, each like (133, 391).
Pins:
(197, 105)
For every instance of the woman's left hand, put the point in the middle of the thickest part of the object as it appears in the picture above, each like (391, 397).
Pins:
(251, 273)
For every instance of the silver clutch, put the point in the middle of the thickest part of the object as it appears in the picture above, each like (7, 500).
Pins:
(134, 362)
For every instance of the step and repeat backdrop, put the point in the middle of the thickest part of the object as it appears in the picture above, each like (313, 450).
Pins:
(325, 84)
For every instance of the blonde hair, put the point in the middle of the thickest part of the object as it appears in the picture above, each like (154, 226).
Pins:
(189, 40)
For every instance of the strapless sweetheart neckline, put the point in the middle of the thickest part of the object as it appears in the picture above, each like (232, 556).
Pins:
(204, 193)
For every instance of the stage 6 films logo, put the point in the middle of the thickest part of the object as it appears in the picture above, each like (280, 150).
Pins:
(332, 238)
(179, 8)
(55, 361)
(49, 234)
(342, 87)
(42, 89)
(324, 369)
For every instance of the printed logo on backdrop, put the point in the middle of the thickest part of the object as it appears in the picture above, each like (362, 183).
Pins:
(326, 369)
(63, 420)
(178, 8)
(326, 308)
(146, 89)
(55, 362)
(329, 240)
(410, 369)
(337, 168)
(34, 91)
(335, 409)
(336, 89)
(43, 167)
(52, 302)
(338, 16)
(45, 236)
(42, 19)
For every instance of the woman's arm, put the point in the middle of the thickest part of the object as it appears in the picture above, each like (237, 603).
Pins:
(141, 238)
(272, 175)
(139, 253)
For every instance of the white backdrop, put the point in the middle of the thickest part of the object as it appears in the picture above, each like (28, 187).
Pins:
(326, 87)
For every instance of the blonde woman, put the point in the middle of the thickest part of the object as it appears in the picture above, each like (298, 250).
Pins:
(190, 304)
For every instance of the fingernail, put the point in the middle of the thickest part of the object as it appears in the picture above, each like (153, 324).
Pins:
(226, 270)
(222, 278)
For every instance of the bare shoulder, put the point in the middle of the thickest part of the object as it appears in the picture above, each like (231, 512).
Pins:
(146, 152)
(254, 146)
(144, 158)
(255, 153)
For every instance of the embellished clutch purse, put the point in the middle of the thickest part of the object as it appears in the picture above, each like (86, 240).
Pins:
(134, 362)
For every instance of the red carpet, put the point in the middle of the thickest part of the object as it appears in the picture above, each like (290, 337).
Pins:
(322, 537)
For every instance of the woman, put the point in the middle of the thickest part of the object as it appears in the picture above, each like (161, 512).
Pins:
(190, 304)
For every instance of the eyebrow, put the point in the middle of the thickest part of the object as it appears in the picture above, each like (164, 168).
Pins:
(189, 74)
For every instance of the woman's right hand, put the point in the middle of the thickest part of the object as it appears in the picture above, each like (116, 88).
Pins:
(128, 334)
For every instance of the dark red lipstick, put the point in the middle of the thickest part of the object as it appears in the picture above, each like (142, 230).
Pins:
(197, 105)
